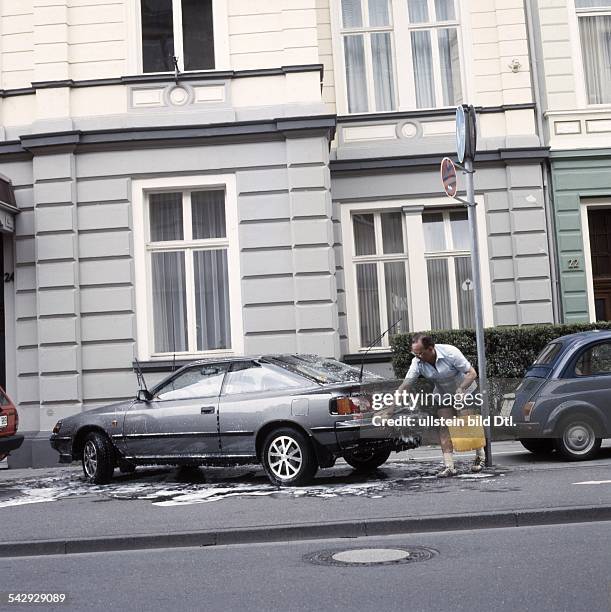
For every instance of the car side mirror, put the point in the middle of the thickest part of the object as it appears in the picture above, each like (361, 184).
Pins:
(144, 395)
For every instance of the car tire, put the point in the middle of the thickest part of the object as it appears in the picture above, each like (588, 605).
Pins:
(288, 458)
(98, 458)
(367, 461)
(577, 439)
(539, 446)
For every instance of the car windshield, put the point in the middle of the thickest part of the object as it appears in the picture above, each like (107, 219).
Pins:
(320, 369)
(548, 355)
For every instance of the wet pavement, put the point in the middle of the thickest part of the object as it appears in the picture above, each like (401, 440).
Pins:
(184, 486)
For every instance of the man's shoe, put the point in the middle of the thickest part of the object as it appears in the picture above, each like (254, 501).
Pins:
(447, 472)
(478, 464)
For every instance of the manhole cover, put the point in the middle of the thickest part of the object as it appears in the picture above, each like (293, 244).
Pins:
(370, 556)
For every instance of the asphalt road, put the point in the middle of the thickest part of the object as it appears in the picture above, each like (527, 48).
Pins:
(58, 504)
(550, 568)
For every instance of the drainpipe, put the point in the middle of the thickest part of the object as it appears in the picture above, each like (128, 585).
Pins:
(530, 9)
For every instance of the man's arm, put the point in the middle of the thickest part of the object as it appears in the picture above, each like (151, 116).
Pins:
(411, 377)
(470, 376)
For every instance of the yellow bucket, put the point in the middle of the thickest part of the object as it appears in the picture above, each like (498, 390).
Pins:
(467, 437)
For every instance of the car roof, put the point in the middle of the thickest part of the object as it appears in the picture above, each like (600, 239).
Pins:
(584, 337)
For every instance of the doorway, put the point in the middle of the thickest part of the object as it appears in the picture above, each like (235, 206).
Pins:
(599, 223)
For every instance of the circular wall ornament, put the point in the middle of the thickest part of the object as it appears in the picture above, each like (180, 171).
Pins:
(409, 130)
(179, 96)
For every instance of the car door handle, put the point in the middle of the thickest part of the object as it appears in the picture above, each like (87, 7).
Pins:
(207, 410)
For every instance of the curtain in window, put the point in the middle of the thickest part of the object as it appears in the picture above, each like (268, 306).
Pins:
(444, 10)
(356, 80)
(461, 238)
(465, 292)
(423, 69)
(197, 34)
(208, 214)
(396, 295)
(169, 302)
(596, 51)
(392, 232)
(351, 14)
(165, 214)
(418, 11)
(449, 59)
(592, 3)
(383, 79)
(379, 15)
(364, 234)
(212, 300)
(368, 297)
(434, 232)
(439, 293)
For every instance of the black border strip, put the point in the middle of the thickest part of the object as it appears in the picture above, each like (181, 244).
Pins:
(166, 77)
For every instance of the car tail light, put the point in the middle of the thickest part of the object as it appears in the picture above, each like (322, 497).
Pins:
(16, 420)
(57, 427)
(527, 409)
(356, 404)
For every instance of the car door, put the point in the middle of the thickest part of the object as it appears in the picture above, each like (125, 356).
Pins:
(253, 393)
(181, 419)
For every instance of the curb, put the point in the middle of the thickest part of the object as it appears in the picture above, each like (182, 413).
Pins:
(312, 531)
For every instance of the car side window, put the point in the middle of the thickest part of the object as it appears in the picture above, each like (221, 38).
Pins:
(3, 399)
(198, 381)
(251, 377)
(595, 360)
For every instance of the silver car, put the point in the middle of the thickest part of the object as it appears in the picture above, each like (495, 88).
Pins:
(291, 413)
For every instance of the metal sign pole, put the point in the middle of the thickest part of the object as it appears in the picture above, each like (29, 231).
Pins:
(479, 315)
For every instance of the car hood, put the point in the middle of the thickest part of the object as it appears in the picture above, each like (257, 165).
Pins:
(108, 408)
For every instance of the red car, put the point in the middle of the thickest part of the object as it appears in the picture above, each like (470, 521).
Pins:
(10, 440)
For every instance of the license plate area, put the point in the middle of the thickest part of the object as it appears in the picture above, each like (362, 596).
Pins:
(508, 402)
(3, 420)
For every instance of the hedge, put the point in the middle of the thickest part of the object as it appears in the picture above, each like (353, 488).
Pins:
(509, 350)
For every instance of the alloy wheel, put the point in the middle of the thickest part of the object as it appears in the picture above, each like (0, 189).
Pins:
(284, 457)
(90, 459)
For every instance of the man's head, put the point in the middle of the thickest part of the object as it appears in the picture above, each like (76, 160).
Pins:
(423, 347)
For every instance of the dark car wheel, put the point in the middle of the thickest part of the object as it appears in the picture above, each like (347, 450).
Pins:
(288, 457)
(539, 446)
(577, 439)
(367, 460)
(98, 458)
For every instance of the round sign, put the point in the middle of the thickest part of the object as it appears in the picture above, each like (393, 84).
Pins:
(448, 176)
(467, 285)
(461, 133)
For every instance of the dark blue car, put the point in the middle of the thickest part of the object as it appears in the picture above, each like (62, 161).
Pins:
(564, 401)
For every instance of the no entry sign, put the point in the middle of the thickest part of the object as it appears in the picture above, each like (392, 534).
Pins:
(448, 176)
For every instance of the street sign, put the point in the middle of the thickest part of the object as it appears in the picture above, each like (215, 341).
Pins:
(461, 133)
(467, 285)
(448, 176)
(466, 132)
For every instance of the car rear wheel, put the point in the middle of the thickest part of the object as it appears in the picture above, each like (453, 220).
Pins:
(538, 446)
(367, 460)
(577, 440)
(288, 458)
(98, 458)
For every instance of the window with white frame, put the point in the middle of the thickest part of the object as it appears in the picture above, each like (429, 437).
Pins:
(594, 19)
(420, 42)
(413, 268)
(434, 40)
(380, 263)
(368, 55)
(448, 268)
(187, 262)
(177, 28)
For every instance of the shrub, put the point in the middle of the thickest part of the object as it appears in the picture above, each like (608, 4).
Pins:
(509, 350)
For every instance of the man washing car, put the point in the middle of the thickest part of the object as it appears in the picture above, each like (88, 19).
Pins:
(450, 371)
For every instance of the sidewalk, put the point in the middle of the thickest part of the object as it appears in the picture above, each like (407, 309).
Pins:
(162, 508)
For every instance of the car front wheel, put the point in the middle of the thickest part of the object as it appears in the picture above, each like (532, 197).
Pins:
(538, 446)
(98, 458)
(288, 458)
(577, 440)
(367, 460)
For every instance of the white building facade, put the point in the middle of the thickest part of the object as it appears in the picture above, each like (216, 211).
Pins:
(194, 179)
